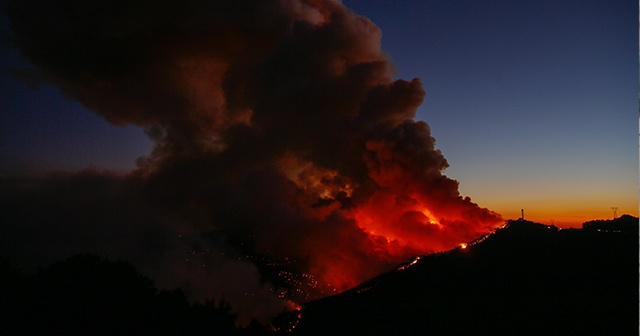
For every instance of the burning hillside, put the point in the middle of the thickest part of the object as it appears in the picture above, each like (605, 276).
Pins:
(276, 123)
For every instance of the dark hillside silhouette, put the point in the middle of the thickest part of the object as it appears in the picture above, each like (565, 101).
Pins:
(625, 223)
(86, 295)
(525, 279)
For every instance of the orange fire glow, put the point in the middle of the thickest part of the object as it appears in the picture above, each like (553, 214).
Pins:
(396, 221)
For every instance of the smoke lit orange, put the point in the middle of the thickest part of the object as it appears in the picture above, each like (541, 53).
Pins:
(280, 125)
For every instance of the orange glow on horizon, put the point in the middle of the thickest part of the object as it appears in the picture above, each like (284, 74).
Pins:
(572, 217)
(561, 208)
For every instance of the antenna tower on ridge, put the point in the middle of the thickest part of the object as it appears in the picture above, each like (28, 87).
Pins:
(615, 212)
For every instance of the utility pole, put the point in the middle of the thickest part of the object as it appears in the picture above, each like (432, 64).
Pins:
(522, 214)
(615, 212)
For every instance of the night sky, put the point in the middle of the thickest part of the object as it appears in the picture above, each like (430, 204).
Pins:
(533, 103)
(203, 141)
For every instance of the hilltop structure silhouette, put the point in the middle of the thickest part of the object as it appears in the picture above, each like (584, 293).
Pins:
(524, 279)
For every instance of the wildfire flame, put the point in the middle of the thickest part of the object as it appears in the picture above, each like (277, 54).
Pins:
(278, 123)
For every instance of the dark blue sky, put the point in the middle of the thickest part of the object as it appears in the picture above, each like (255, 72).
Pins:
(533, 103)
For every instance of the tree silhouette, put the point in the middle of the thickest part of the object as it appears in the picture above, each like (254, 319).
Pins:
(87, 295)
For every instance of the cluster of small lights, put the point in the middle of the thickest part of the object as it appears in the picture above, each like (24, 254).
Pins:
(282, 294)
(304, 286)
(194, 253)
(293, 323)
(270, 262)
(262, 291)
(364, 289)
(299, 287)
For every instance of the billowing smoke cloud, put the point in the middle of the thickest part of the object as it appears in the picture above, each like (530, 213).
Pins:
(48, 219)
(277, 122)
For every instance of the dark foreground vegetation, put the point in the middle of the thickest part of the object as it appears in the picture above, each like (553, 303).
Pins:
(86, 295)
(526, 279)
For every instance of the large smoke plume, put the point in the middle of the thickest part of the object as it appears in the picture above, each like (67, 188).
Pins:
(277, 124)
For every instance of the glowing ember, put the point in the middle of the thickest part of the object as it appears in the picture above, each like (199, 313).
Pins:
(292, 306)
(463, 246)
(413, 262)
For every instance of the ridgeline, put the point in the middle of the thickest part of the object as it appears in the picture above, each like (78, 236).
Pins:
(524, 279)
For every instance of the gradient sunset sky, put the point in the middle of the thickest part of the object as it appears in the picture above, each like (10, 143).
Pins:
(533, 103)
